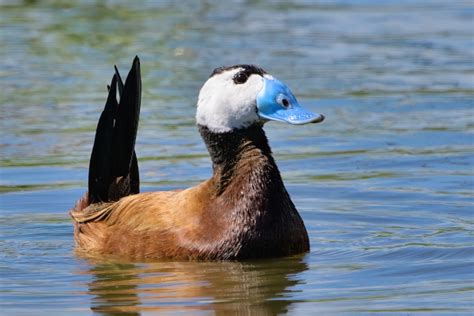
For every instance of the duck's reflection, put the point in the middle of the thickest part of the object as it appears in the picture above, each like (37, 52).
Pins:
(260, 287)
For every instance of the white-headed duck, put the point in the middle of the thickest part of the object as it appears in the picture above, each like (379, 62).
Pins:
(243, 211)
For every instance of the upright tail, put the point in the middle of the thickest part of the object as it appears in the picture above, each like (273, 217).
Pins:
(113, 168)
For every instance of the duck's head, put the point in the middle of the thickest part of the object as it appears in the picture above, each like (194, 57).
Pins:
(239, 96)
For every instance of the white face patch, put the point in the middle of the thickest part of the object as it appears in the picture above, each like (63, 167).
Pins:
(224, 105)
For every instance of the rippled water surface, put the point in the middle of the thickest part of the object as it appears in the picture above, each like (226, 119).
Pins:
(384, 185)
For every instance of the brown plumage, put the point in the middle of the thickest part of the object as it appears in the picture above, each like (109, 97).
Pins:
(243, 211)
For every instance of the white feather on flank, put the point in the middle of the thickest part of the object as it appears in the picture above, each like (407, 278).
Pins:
(223, 105)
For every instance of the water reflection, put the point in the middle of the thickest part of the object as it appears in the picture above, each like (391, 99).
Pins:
(223, 288)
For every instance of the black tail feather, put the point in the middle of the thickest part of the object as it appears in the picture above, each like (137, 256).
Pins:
(113, 169)
(119, 80)
(99, 170)
(126, 122)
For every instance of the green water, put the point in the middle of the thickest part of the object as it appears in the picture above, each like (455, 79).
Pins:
(385, 185)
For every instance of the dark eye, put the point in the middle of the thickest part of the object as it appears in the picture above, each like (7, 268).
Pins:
(240, 77)
(285, 103)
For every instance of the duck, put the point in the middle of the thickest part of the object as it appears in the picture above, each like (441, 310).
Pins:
(243, 211)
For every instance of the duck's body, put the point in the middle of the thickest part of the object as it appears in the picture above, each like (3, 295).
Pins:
(221, 218)
(242, 211)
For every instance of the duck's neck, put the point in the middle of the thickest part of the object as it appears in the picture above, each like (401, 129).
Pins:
(250, 195)
(238, 154)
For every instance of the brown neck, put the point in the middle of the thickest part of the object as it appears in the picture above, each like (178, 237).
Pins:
(251, 196)
(238, 154)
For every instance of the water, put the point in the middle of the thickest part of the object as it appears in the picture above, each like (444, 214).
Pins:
(384, 185)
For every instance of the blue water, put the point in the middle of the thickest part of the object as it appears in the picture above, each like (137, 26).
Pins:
(385, 185)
